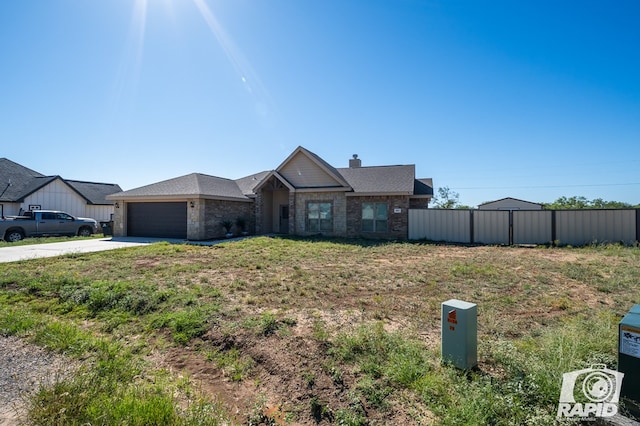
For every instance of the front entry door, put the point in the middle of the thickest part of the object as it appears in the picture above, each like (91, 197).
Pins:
(284, 218)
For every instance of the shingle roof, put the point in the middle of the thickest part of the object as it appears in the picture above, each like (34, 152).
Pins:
(15, 180)
(25, 181)
(94, 192)
(423, 187)
(191, 185)
(380, 179)
(32, 185)
(247, 184)
(362, 180)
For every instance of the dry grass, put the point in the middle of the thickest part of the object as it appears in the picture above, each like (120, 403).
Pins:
(264, 319)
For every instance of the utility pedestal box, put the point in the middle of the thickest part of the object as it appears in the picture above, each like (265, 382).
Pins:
(629, 359)
(460, 333)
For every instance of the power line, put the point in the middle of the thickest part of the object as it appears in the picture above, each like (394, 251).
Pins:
(547, 186)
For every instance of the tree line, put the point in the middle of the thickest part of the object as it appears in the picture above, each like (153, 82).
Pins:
(565, 203)
(449, 199)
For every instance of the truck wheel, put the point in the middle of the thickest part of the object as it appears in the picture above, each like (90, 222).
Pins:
(84, 232)
(13, 236)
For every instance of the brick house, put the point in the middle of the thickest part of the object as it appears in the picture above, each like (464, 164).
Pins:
(303, 196)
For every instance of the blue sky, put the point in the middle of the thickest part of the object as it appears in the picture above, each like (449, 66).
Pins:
(529, 99)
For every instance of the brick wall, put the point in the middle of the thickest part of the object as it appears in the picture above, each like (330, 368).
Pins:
(257, 213)
(397, 225)
(216, 211)
(419, 203)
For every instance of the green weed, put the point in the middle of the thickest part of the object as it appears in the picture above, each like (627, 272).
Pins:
(234, 365)
(63, 337)
(17, 320)
(186, 324)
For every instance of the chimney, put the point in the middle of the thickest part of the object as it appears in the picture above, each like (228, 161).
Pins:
(355, 162)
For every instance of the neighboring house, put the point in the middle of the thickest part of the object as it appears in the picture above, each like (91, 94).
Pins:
(510, 204)
(23, 189)
(303, 196)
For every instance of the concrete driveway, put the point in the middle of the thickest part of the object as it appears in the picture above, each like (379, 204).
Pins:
(35, 251)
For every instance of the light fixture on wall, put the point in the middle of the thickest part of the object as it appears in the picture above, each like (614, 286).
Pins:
(191, 204)
(117, 205)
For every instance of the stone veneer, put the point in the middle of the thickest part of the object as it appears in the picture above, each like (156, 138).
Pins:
(118, 219)
(339, 201)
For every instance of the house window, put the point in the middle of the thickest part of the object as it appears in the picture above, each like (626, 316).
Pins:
(374, 217)
(319, 217)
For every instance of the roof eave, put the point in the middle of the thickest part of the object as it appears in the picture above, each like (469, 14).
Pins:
(324, 189)
(278, 176)
(381, 194)
(176, 197)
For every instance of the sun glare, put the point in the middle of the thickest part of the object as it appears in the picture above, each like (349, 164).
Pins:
(240, 65)
(129, 70)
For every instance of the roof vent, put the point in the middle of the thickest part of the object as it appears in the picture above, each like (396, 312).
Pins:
(355, 162)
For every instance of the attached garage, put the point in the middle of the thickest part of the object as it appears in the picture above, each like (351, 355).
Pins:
(190, 207)
(157, 219)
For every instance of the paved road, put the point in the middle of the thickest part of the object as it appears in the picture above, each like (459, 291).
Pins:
(35, 251)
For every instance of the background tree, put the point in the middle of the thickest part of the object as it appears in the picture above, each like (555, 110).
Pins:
(446, 199)
(566, 203)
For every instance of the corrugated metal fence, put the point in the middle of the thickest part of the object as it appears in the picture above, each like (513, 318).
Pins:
(574, 227)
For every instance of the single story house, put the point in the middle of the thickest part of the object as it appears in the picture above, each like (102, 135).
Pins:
(510, 204)
(303, 196)
(23, 189)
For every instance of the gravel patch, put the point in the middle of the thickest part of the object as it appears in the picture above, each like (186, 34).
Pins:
(24, 368)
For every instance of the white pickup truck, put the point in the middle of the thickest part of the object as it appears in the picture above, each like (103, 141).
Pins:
(40, 223)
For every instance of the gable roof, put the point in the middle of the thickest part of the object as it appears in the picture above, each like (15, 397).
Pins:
(423, 187)
(375, 180)
(24, 182)
(94, 192)
(510, 199)
(15, 180)
(314, 163)
(191, 185)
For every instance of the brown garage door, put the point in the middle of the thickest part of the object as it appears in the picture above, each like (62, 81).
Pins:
(163, 220)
